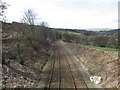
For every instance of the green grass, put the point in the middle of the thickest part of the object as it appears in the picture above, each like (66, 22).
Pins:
(100, 48)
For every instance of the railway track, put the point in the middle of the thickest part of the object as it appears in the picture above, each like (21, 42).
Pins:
(56, 63)
(64, 72)
(79, 81)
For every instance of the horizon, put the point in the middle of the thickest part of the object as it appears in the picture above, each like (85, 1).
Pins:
(73, 14)
(87, 29)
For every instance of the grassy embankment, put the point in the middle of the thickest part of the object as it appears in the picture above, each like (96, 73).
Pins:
(99, 62)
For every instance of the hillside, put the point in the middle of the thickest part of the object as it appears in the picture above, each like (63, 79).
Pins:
(26, 50)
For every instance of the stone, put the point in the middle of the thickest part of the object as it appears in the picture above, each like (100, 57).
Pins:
(95, 79)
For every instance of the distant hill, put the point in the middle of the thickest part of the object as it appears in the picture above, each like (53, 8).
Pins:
(99, 29)
(91, 31)
(87, 31)
(110, 31)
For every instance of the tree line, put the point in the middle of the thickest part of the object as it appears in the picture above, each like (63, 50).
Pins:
(101, 40)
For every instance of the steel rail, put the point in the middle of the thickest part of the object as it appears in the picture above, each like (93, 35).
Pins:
(51, 74)
(70, 70)
(57, 57)
(59, 72)
(81, 77)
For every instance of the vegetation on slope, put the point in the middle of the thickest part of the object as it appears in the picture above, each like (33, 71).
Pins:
(26, 50)
(98, 63)
(94, 39)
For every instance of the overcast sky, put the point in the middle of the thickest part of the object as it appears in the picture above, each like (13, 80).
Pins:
(77, 14)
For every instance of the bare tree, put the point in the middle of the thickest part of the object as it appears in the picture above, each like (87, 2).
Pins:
(3, 7)
(44, 24)
(29, 17)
